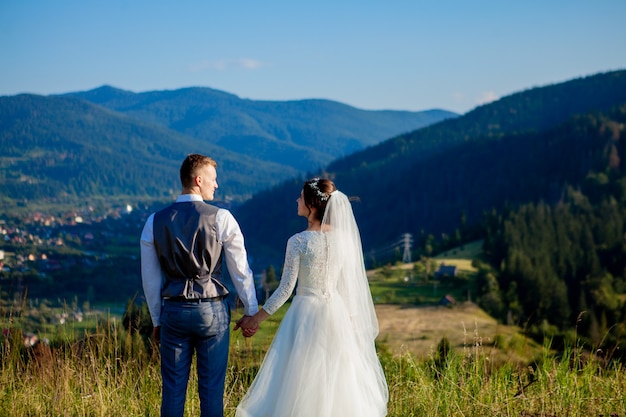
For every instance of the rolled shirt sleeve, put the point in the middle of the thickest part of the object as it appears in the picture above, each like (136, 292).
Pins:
(230, 236)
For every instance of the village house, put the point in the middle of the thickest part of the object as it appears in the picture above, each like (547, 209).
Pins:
(445, 271)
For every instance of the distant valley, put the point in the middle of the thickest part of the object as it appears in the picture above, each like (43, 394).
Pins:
(538, 177)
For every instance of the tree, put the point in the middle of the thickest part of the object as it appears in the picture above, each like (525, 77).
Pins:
(489, 294)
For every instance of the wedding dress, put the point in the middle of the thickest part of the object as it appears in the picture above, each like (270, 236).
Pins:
(322, 361)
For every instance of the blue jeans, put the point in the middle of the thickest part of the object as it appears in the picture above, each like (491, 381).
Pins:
(187, 327)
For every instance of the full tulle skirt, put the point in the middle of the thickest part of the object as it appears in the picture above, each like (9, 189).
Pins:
(317, 366)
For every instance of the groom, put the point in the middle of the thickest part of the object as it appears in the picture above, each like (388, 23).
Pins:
(182, 248)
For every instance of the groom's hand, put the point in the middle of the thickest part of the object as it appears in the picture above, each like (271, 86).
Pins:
(249, 332)
(248, 326)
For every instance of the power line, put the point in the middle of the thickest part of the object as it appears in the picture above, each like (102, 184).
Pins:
(406, 255)
(404, 243)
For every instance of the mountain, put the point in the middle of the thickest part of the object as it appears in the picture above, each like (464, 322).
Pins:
(302, 135)
(528, 111)
(112, 143)
(54, 148)
(525, 147)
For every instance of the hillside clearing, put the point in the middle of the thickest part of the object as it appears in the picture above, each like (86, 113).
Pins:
(418, 330)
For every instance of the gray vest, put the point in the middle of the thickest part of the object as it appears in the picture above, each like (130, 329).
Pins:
(188, 251)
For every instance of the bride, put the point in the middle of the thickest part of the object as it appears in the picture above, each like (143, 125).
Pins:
(322, 361)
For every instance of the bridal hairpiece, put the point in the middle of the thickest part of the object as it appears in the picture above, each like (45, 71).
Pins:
(322, 196)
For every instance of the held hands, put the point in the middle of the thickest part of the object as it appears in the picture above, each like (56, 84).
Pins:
(248, 325)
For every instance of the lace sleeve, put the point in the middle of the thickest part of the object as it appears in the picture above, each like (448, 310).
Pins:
(288, 278)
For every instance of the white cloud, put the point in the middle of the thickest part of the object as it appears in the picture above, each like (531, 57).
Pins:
(487, 97)
(226, 64)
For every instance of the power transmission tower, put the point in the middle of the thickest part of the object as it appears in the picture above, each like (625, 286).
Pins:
(406, 255)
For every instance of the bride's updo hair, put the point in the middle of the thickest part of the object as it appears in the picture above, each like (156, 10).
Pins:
(316, 193)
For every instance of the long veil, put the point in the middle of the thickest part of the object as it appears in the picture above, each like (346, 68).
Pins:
(345, 258)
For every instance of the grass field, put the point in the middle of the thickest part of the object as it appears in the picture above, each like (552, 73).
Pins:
(467, 252)
(111, 373)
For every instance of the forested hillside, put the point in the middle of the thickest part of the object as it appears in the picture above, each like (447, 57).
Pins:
(303, 134)
(523, 148)
(529, 111)
(59, 148)
(564, 264)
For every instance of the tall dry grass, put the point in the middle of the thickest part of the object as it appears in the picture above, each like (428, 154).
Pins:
(113, 373)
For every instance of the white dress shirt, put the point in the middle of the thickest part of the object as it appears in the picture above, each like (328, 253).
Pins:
(228, 235)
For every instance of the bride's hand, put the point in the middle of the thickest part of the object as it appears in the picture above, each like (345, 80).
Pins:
(248, 326)
(249, 332)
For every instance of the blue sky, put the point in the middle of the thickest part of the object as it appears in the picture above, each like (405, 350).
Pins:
(400, 55)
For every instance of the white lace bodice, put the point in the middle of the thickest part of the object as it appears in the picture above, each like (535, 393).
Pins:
(305, 263)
